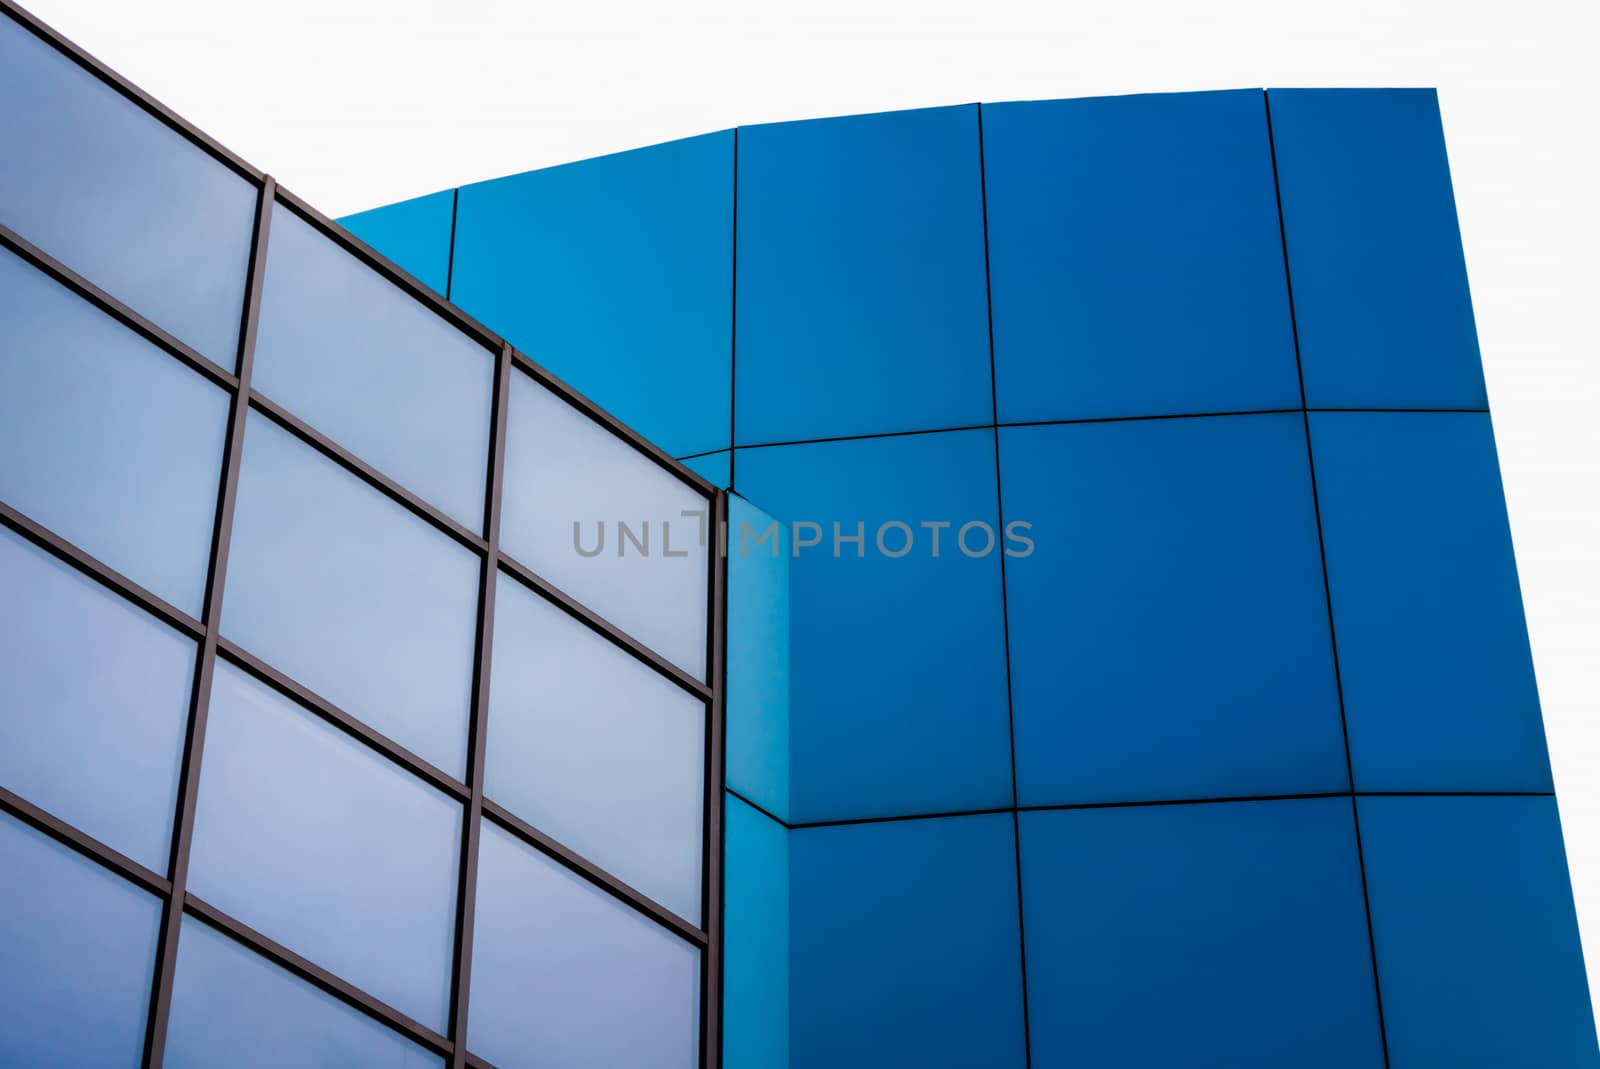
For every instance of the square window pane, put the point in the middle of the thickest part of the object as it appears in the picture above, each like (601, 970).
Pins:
(374, 369)
(233, 1007)
(121, 198)
(80, 946)
(352, 595)
(105, 439)
(324, 846)
(97, 701)
(589, 745)
(571, 486)
(564, 974)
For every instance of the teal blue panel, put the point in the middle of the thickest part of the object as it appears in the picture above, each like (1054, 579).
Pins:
(715, 468)
(758, 657)
(414, 233)
(755, 933)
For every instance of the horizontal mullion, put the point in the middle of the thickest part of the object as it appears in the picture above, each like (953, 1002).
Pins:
(479, 1063)
(343, 990)
(123, 314)
(99, 571)
(588, 617)
(597, 876)
(365, 472)
(83, 843)
(373, 739)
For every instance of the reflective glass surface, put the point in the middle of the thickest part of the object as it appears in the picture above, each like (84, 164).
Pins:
(351, 595)
(564, 974)
(80, 944)
(755, 939)
(96, 703)
(605, 524)
(1135, 258)
(319, 843)
(105, 439)
(1198, 935)
(599, 751)
(232, 1007)
(112, 192)
(616, 274)
(861, 280)
(757, 733)
(374, 369)
(414, 233)
(905, 948)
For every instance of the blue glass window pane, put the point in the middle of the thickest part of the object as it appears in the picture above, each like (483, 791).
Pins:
(714, 468)
(232, 1007)
(414, 233)
(374, 369)
(755, 935)
(862, 304)
(352, 595)
(80, 945)
(1438, 678)
(322, 845)
(904, 947)
(616, 274)
(97, 699)
(897, 664)
(1135, 258)
(568, 482)
(105, 439)
(1380, 286)
(1477, 944)
(1169, 632)
(1187, 935)
(564, 974)
(759, 551)
(112, 192)
(599, 751)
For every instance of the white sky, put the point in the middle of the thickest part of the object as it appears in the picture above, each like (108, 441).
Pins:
(353, 105)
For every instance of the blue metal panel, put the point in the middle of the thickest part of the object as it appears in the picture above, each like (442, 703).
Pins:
(415, 233)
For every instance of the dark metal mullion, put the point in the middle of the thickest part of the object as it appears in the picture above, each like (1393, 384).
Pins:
(579, 865)
(105, 302)
(598, 624)
(87, 845)
(478, 727)
(194, 744)
(712, 844)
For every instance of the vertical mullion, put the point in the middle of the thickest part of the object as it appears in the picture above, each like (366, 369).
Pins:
(712, 845)
(467, 886)
(194, 743)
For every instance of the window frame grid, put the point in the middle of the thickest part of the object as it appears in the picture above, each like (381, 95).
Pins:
(171, 888)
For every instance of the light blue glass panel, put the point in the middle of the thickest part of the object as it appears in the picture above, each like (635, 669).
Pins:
(319, 843)
(96, 701)
(80, 945)
(335, 584)
(564, 974)
(413, 233)
(592, 747)
(570, 483)
(759, 550)
(755, 939)
(232, 1007)
(373, 368)
(105, 439)
(115, 194)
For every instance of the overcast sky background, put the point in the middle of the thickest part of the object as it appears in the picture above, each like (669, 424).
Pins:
(353, 105)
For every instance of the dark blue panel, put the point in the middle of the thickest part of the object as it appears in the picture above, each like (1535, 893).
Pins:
(80, 944)
(898, 689)
(755, 934)
(105, 439)
(1136, 260)
(715, 468)
(861, 282)
(905, 947)
(1433, 650)
(1169, 633)
(1380, 286)
(1477, 944)
(1227, 936)
(96, 703)
(118, 196)
(413, 233)
(617, 275)
(758, 681)
(231, 1007)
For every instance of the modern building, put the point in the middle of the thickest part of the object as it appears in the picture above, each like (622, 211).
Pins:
(1135, 673)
